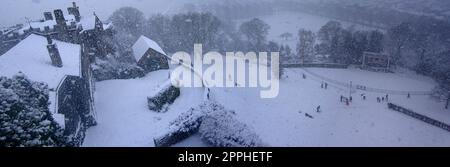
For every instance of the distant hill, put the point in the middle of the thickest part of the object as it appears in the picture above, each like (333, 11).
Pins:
(436, 8)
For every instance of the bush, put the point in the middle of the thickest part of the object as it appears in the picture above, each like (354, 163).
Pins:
(166, 96)
(216, 125)
(25, 119)
(113, 69)
(221, 129)
(181, 128)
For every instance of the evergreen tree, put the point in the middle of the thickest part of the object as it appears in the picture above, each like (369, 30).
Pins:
(305, 45)
(24, 114)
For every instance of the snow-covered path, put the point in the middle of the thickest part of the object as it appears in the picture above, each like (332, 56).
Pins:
(122, 114)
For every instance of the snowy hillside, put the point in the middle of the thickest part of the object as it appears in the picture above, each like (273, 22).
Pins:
(436, 8)
(124, 119)
(282, 121)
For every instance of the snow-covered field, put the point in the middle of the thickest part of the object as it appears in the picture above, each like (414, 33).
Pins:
(124, 119)
(282, 121)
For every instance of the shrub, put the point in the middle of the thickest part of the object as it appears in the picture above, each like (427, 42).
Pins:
(25, 119)
(164, 97)
(221, 129)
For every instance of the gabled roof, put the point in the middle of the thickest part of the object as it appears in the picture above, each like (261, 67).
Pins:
(31, 57)
(88, 23)
(143, 44)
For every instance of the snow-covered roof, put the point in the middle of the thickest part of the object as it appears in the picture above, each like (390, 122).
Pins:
(31, 57)
(42, 24)
(107, 26)
(143, 44)
(88, 23)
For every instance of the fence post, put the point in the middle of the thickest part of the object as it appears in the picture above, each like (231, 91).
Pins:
(448, 99)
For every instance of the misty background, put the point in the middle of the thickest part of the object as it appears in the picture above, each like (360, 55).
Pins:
(14, 11)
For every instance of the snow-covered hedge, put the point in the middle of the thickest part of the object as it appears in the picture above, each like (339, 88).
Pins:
(25, 119)
(166, 96)
(221, 129)
(181, 128)
(217, 127)
(113, 69)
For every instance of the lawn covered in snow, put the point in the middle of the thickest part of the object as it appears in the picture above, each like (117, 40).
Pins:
(282, 121)
(123, 116)
(124, 119)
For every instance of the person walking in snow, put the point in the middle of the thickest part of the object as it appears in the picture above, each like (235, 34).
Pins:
(351, 98)
(326, 85)
(387, 97)
(304, 76)
(409, 96)
(378, 99)
(321, 85)
(364, 97)
(318, 109)
(342, 97)
(382, 99)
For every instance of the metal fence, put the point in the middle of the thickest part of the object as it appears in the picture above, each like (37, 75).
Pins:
(418, 116)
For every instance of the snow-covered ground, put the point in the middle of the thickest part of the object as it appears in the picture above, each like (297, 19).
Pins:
(282, 121)
(123, 116)
(403, 80)
(124, 119)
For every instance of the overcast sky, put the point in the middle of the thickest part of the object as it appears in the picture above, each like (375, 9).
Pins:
(15, 11)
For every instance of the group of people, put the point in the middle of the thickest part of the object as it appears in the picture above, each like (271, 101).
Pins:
(346, 100)
(382, 99)
(324, 85)
(364, 97)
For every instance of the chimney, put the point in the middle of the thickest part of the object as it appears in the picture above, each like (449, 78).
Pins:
(54, 53)
(75, 11)
(59, 16)
(48, 16)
